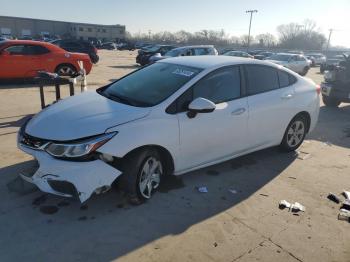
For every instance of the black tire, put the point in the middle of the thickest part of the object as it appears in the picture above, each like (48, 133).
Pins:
(305, 70)
(130, 181)
(286, 144)
(330, 102)
(322, 68)
(66, 70)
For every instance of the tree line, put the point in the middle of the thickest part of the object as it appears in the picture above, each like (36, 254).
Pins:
(305, 36)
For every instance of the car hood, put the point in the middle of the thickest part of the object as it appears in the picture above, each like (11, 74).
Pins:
(81, 116)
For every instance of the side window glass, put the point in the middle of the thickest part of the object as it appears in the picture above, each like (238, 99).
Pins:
(261, 79)
(220, 86)
(16, 50)
(283, 78)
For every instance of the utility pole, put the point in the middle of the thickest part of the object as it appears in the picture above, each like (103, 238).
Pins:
(149, 34)
(329, 40)
(250, 24)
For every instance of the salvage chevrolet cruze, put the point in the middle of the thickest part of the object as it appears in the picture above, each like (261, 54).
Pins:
(171, 117)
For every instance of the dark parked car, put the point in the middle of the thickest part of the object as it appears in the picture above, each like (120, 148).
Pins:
(331, 62)
(108, 46)
(336, 86)
(78, 46)
(126, 46)
(263, 55)
(143, 58)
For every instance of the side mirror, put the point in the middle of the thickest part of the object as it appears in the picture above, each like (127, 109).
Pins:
(200, 105)
(158, 54)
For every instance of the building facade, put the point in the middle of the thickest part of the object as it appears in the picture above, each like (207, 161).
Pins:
(28, 27)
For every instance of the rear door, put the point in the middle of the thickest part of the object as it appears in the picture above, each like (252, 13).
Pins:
(15, 63)
(222, 133)
(271, 101)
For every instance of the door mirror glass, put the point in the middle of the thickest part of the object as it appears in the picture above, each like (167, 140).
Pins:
(201, 105)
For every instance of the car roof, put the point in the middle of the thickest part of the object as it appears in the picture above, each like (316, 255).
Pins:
(210, 61)
(32, 42)
(194, 46)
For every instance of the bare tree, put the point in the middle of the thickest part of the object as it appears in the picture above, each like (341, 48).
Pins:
(266, 40)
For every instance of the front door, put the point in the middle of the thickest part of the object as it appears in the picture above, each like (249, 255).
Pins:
(209, 137)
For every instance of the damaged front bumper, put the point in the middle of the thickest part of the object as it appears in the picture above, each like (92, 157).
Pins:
(70, 178)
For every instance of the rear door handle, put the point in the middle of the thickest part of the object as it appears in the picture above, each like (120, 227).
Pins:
(238, 111)
(287, 96)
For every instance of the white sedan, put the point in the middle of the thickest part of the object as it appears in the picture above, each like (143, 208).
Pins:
(169, 118)
(295, 62)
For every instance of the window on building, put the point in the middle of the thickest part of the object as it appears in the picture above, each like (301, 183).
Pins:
(89, 29)
(81, 29)
(98, 30)
(104, 30)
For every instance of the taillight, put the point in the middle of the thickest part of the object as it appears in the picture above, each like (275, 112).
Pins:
(318, 89)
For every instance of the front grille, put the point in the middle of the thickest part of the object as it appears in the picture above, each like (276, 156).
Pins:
(33, 142)
(63, 187)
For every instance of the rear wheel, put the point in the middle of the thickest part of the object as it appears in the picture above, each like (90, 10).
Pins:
(331, 102)
(66, 70)
(294, 134)
(305, 70)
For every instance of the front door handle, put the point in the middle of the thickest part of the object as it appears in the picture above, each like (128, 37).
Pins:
(238, 111)
(287, 96)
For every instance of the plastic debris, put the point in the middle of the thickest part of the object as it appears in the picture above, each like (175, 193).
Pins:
(346, 194)
(303, 155)
(333, 198)
(202, 189)
(346, 204)
(344, 215)
(284, 204)
(296, 207)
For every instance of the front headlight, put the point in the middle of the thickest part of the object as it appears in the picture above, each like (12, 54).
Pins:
(78, 149)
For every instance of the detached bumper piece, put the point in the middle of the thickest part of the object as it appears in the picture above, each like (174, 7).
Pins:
(70, 178)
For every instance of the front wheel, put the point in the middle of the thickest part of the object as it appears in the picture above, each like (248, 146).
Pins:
(142, 175)
(331, 102)
(305, 70)
(294, 134)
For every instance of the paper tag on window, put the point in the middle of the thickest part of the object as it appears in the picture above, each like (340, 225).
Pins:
(183, 72)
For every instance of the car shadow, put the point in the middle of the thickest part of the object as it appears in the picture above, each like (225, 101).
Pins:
(333, 126)
(4, 123)
(108, 227)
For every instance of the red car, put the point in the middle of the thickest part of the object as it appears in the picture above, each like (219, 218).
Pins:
(24, 58)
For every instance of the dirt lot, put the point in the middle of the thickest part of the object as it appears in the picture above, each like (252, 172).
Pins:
(180, 224)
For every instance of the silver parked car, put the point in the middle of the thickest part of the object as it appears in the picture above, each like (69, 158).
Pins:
(295, 62)
(194, 50)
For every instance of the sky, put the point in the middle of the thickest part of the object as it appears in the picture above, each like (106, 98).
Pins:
(192, 15)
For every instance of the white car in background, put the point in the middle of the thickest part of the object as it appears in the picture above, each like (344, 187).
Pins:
(168, 118)
(194, 50)
(318, 58)
(295, 62)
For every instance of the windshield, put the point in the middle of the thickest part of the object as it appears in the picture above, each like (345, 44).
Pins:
(153, 48)
(173, 53)
(150, 85)
(280, 57)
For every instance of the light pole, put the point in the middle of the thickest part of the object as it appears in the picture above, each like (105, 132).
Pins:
(250, 24)
(329, 39)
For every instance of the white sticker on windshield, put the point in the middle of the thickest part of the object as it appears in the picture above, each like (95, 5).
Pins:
(183, 72)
